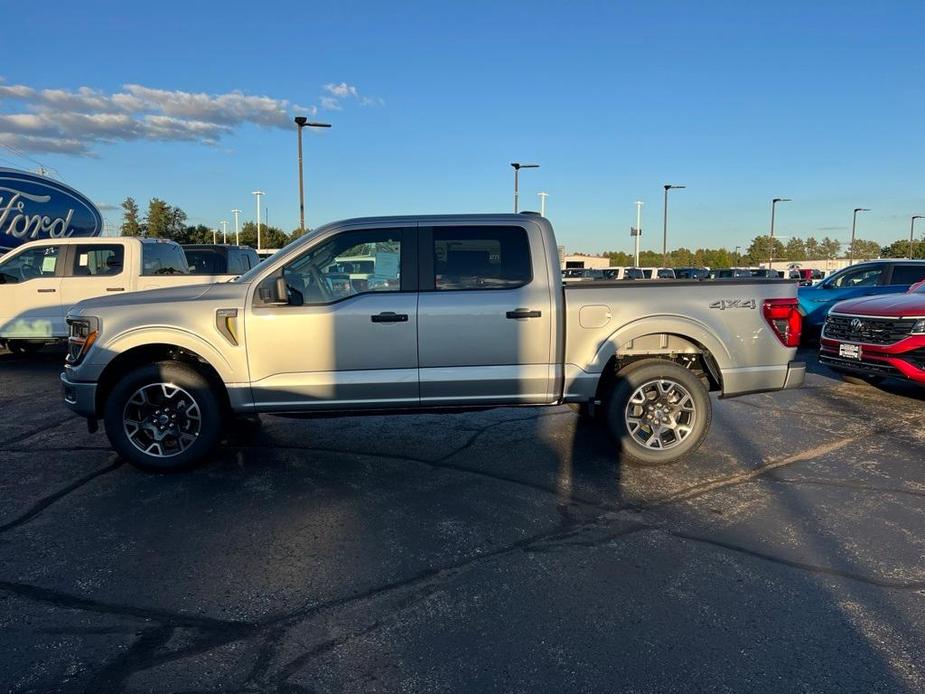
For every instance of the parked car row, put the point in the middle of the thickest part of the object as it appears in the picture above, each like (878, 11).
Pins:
(41, 280)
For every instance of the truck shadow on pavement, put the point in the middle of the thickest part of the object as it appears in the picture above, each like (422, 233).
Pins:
(508, 549)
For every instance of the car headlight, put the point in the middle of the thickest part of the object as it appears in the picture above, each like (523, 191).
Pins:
(919, 327)
(82, 333)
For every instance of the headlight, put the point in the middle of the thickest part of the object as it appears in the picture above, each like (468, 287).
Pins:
(919, 327)
(83, 332)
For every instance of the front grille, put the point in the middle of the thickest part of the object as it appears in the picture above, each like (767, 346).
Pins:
(871, 331)
(868, 367)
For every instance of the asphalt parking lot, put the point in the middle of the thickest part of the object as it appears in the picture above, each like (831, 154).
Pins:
(507, 550)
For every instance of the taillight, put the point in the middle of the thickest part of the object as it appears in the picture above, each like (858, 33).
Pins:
(783, 315)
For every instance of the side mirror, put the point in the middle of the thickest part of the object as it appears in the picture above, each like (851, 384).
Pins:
(273, 292)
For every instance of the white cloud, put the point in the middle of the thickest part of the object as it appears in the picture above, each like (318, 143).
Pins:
(341, 90)
(73, 121)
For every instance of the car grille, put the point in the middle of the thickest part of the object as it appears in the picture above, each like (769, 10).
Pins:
(872, 331)
(869, 367)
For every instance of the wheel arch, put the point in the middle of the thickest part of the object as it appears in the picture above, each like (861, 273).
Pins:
(143, 355)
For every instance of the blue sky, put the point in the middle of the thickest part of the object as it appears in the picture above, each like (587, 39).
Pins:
(817, 101)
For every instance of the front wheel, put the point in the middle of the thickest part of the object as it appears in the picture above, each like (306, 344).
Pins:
(658, 412)
(163, 417)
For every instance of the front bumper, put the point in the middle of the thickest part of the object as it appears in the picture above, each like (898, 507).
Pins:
(904, 359)
(80, 397)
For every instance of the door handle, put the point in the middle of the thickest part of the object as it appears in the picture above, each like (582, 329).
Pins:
(523, 313)
(45, 291)
(115, 289)
(389, 317)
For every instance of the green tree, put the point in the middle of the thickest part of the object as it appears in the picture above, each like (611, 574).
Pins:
(159, 219)
(900, 249)
(619, 258)
(811, 248)
(795, 249)
(829, 248)
(760, 248)
(131, 224)
(270, 237)
(865, 250)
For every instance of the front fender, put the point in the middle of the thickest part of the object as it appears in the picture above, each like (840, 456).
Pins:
(230, 370)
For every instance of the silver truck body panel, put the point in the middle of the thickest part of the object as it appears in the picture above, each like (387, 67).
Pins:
(456, 348)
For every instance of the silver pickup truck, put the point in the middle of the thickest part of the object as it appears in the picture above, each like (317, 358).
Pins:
(424, 313)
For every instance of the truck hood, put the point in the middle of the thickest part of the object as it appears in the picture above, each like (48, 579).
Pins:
(227, 291)
(888, 306)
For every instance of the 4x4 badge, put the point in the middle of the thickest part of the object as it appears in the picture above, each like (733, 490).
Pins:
(723, 304)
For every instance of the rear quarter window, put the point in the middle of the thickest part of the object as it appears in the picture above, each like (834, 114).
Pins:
(908, 274)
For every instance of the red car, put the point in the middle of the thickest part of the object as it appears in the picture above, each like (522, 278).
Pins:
(878, 336)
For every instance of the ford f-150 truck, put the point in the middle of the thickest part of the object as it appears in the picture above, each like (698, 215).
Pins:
(41, 280)
(466, 312)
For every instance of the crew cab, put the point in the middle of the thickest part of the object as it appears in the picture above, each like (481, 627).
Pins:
(470, 313)
(41, 280)
(877, 337)
(856, 281)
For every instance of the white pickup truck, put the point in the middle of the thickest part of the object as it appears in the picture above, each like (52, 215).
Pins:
(467, 311)
(41, 280)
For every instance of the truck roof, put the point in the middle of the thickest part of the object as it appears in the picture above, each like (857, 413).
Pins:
(498, 217)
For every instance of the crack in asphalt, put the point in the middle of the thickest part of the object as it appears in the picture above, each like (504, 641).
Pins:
(845, 484)
(39, 506)
(804, 566)
(149, 650)
(39, 430)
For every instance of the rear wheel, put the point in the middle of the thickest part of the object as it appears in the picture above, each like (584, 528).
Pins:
(163, 417)
(658, 412)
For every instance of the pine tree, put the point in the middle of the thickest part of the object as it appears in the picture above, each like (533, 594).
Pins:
(131, 225)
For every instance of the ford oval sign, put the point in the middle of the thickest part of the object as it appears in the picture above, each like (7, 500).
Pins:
(34, 207)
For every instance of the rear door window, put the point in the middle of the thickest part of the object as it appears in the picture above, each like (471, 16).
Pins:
(94, 260)
(908, 274)
(489, 257)
(163, 259)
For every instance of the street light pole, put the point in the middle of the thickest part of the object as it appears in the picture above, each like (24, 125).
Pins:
(854, 223)
(912, 233)
(543, 197)
(517, 167)
(257, 194)
(237, 235)
(224, 231)
(667, 187)
(302, 122)
(639, 204)
(736, 254)
(771, 244)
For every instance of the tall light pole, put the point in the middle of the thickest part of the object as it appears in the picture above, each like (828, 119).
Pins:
(517, 167)
(854, 223)
(637, 231)
(303, 122)
(543, 197)
(214, 236)
(667, 187)
(736, 259)
(257, 194)
(771, 244)
(237, 234)
(912, 233)
(224, 231)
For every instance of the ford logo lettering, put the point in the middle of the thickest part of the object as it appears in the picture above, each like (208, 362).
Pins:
(857, 325)
(34, 207)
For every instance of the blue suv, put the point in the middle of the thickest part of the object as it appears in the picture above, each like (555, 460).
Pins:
(863, 279)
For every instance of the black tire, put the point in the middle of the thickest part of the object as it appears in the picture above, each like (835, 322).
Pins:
(688, 419)
(140, 393)
(24, 347)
